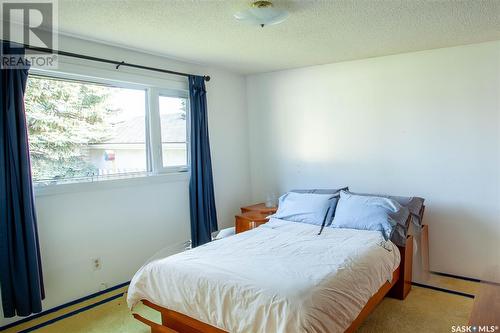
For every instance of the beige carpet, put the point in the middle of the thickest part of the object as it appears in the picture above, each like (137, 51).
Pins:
(424, 310)
(464, 286)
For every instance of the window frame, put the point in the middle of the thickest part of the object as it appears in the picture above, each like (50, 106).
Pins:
(159, 150)
(153, 144)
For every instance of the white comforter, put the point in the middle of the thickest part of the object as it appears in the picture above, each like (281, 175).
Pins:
(279, 277)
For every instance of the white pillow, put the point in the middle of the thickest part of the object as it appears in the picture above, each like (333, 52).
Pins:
(224, 233)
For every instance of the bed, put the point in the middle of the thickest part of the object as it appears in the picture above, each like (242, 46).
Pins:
(279, 277)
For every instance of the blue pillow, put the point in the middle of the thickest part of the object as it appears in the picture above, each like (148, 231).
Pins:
(414, 205)
(364, 212)
(333, 206)
(308, 208)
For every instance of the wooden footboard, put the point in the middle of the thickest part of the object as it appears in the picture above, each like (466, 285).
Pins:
(181, 323)
(155, 328)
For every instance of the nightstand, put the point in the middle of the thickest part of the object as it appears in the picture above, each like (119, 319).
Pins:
(261, 208)
(252, 216)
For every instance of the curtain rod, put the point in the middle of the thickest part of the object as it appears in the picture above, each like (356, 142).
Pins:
(108, 61)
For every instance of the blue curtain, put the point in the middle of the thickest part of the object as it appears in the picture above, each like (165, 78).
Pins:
(20, 266)
(201, 185)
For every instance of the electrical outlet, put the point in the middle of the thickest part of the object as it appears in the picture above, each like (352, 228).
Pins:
(96, 264)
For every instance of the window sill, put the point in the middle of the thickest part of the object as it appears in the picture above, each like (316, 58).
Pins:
(55, 189)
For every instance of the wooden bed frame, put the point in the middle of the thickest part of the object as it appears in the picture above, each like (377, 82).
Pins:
(399, 287)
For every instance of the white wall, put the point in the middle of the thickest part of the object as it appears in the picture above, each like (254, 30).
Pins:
(424, 123)
(127, 222)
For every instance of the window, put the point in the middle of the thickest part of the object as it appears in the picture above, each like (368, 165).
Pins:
(86, 131)
(173, 111)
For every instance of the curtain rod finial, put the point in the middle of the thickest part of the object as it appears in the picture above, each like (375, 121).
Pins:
(207, 78)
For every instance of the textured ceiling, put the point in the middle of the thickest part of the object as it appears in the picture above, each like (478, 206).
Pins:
(317, 32)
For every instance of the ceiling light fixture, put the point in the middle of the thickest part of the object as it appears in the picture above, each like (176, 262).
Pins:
(262, 13)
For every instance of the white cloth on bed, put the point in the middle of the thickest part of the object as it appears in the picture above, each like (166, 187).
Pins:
(279, 277)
